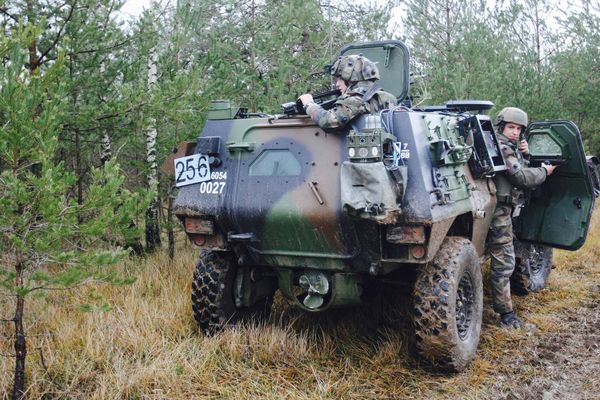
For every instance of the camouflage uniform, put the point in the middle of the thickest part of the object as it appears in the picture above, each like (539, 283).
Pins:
(362, 95)
(509, 185)
(350, 104)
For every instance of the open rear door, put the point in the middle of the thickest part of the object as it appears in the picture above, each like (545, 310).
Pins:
(559, 211)
(391, 57)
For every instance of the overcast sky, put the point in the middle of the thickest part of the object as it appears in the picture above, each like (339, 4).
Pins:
(134, 7)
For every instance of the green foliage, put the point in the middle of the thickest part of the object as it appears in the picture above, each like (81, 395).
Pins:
(577, 71)
(72, 76)
(514, 54)
(91, 81)
(47, 237)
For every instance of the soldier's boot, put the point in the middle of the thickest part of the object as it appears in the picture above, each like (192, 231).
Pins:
(510, 320)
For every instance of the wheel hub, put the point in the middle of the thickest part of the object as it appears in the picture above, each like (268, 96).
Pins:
(464, 306)
(536, 260)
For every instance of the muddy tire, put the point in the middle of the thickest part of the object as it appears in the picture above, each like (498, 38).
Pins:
(533, 264)
(213, 299)
(448, 306)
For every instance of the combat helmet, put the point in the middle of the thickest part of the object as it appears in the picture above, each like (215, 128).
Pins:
(354, 68)
(512, 114)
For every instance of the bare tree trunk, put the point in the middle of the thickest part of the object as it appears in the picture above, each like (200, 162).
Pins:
(538, 52)
(253, 102)
(170, 233)
(20, 340)
(105, 149)
(34, 61)
(152, 226)
(105, 142)
(78, 170)
(77, 167)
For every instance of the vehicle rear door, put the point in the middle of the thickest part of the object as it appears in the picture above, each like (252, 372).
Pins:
(559, 211)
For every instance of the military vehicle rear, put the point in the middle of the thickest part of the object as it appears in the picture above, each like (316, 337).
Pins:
(406, 196)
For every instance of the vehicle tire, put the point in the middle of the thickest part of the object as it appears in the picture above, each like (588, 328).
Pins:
(213, 300)
(448, 306)
(533, 263)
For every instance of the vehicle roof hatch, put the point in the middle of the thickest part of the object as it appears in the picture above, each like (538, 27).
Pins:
(391, 57)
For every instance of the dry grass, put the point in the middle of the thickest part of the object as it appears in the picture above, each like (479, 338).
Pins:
(147, 347)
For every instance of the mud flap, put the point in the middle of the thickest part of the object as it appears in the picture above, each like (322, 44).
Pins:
(372, 191)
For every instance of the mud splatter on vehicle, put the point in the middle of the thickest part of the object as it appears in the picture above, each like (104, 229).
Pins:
(405, 196)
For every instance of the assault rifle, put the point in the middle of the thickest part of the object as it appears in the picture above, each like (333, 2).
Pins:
(295, 107)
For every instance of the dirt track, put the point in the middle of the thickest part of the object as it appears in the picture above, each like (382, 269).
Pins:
(561, 363)
(566, 364)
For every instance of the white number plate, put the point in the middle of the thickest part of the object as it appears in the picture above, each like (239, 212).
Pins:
(192, 169)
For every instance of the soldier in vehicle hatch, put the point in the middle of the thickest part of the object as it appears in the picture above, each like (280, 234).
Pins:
(356, 76)
(510, 185)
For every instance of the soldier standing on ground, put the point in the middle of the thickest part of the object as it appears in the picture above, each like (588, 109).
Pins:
(356, 76)
(510, 185)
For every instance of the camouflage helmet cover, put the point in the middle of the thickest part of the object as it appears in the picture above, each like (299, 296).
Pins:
(512, 114)
(354, 68)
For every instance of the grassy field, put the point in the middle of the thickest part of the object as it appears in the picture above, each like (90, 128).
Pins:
(141, 342)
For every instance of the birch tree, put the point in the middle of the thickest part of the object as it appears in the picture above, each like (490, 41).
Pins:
(152, 222)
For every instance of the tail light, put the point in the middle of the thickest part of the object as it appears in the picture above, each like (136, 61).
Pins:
(199, 226)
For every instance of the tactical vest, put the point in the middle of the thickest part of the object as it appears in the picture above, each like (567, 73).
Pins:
(506, 192)
(374, 97)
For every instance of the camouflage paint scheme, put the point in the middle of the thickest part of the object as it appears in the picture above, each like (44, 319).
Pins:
(292, 222)
(402, 196)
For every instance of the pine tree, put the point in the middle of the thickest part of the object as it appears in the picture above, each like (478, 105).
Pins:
(48, 239)
(577, 70)
(452, 48)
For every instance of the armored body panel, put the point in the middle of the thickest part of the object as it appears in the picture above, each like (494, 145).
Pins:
(402, 197)
(275, 193)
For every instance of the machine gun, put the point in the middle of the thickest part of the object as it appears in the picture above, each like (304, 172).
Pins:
(295, 107)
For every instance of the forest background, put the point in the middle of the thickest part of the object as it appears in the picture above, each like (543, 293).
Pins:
(92, 103)
(261, 53)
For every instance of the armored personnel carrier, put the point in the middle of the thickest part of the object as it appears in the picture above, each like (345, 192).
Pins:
(277, 203)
